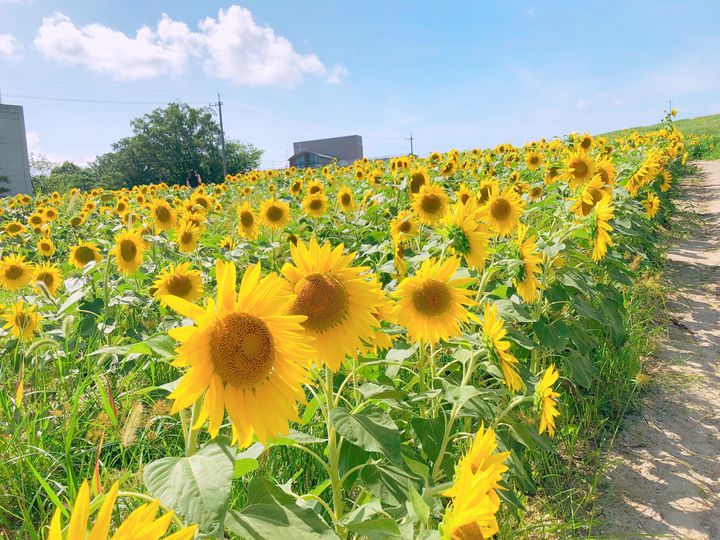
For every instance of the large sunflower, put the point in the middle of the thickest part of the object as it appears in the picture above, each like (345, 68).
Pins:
(181, 281)
(140, 524)
(14, 228)
(46, 247)
(341, 302)
(187, 236)
(431, 304)
(50, 276)
(128, 250)
(600, 227)
(315, 205)
(345, 200)
(589, 196)
(163, 214)
(244, 354)
(469, 237)
(83, 253)
(503, 211)
(22, 320)
(275, 213)
(430, 204)
(247, 222)
(526, 282)
(498, 348)
(15, 272)
(579, 169)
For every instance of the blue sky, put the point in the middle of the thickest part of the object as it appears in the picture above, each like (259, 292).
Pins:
(455, 74)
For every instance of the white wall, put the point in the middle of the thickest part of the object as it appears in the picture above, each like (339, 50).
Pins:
(13, 150)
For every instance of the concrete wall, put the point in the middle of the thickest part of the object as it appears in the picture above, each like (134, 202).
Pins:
(343, 148)
(13, 150)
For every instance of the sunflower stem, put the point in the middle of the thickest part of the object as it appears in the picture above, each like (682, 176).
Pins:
(191, 442)
(421, 375)
(333, 454)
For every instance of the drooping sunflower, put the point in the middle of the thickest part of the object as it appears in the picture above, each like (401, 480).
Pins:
(22, 320)
(140, 524)
(315, 205)
(247, 222)
(275, 213)
(128, 251)
(600, 227)
(46, 247)
(83, 253)
(605, 169)
(15, 272)
(430, 204)
(418, 178)
(341, 302)
(187, 236)
(403, 227)
(345, 200)
(49, 275)
(526, 282)
(432, 305)
(245, 354)
(163, 215)
(468, 235)
(546, 400)
(667, 181)
(579, 169)
(503, 211)
(499, 348)
(181, 281)
(652, 205)
(589, 196)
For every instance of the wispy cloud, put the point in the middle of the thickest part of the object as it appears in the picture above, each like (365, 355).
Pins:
(9, 46)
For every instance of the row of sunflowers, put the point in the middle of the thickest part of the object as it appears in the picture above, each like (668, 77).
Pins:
(379, 350)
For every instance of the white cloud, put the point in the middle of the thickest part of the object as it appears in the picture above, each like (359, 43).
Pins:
(9, 46)
(33, 142)
(232, 47)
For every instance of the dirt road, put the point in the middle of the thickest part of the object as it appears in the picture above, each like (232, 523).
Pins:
(664, 477)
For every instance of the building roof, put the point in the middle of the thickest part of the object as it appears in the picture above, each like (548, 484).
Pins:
(309, 152)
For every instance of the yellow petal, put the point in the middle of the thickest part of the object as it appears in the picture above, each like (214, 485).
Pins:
(101, 529)
(77, 528)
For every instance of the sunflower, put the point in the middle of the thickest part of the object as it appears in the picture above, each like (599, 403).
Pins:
(275, 213)
(585, 141)
(50, 276)
(15, 272)
(83, 253)
(187, 236)
(245, 354)
(296, 186)
(345, 200)
(448, 168)
(315, 188)
(163, 214)
(418, 178)
(526, 282)
(128, 250)
(652, 205)
(579, 169)
(465, 196)
(15, 228)
(181, 281)
(503, 211)
(533, 160)
(431, 304)
(51, 214)
(487, 188)
(590, 196)
(78, 220)
(46, 247)
(430, 204)
(468, 236)
(140, 524)
(36, 220)
(600, 227)
(315, 205)
(403, 227)
(667, 181)
(340, 302)
(22, 320)
(499, 348)
(605, 169)
(247, 222)
(546, 400)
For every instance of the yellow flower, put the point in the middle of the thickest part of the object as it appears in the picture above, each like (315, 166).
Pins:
(187, 236)
(181, 281)
(430, 204)
(15, 272)
(50, 275)
(345, 200)
(315, 188)
(589, 196)
(403, 227)
(163, 214)
(140, 524)
(431, 304)
(275, 213)
(245, 354)
(526, 282)
(83, 253)
(652, 205)
(579, 169)
(465, 196)
(128, 250)
(546, 400)
(22, 320)
(248, 224)
(340, 302)
(503, 211)
(533, 160)
(46, 247)
(315, 205)
(15, 228)
(418, 178)
(499, 348)
(468, 236)
(600, 227)
(667, 181)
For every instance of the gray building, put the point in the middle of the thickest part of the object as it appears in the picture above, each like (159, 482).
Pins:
(13, 150)
(320, 152)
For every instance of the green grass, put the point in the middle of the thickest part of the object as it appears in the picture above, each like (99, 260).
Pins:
(701, 125)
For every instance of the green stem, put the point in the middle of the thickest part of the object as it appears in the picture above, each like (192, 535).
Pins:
(333, 453)
(518, 400)
(191, 442)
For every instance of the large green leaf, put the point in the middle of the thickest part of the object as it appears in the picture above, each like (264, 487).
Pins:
(389, 484)
(198, 487)
(372, 430)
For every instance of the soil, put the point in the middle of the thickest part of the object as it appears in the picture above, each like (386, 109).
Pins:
(663, 479)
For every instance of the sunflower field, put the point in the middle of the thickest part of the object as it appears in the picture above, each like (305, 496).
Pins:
(390, 349)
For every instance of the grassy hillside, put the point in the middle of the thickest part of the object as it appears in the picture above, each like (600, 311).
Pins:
(701, 125)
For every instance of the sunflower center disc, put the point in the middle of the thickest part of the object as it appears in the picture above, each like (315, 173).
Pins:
(179, 286)
(323, 300)
(431, 204)
(500, 209)
(345, 199)
(580, 169)
(13, 228)
(186, 238)
(484, 194)
(246, 219)
(404, 226)
(464, 198)
(274, 213)
(416, 182)
(47, 278)
(242, 350)
(128, 250)
(314, 189)
(469, 531)
(162, 214)
(432, 298)
(316, 204)
(14, 271)
(84, 254)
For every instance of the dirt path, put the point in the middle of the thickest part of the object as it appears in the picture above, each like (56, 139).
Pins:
(664, 478)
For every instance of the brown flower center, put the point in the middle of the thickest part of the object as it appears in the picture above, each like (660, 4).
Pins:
(431, 204)
(432, 298)
(500, 209)
(22, 320)
(323, 300)
(315, 204)
(580, 169)
(179, 286)
(186, 237)
(274, 213)
(314, 189)
(242, 350)
(246, 219)
(404, 226)
(84, 255)
(464, 197)
(128, 250)
(345, 199)
(162, 214)
(14, 271)
(47, 278)
(469, 531)
(417, 180)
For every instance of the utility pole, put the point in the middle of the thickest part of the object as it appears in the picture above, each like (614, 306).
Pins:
(222, 138)
(412, 151)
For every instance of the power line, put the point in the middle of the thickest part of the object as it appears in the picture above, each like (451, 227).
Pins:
(100, 101)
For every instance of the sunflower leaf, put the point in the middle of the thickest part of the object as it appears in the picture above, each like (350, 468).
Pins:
(372, 430)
